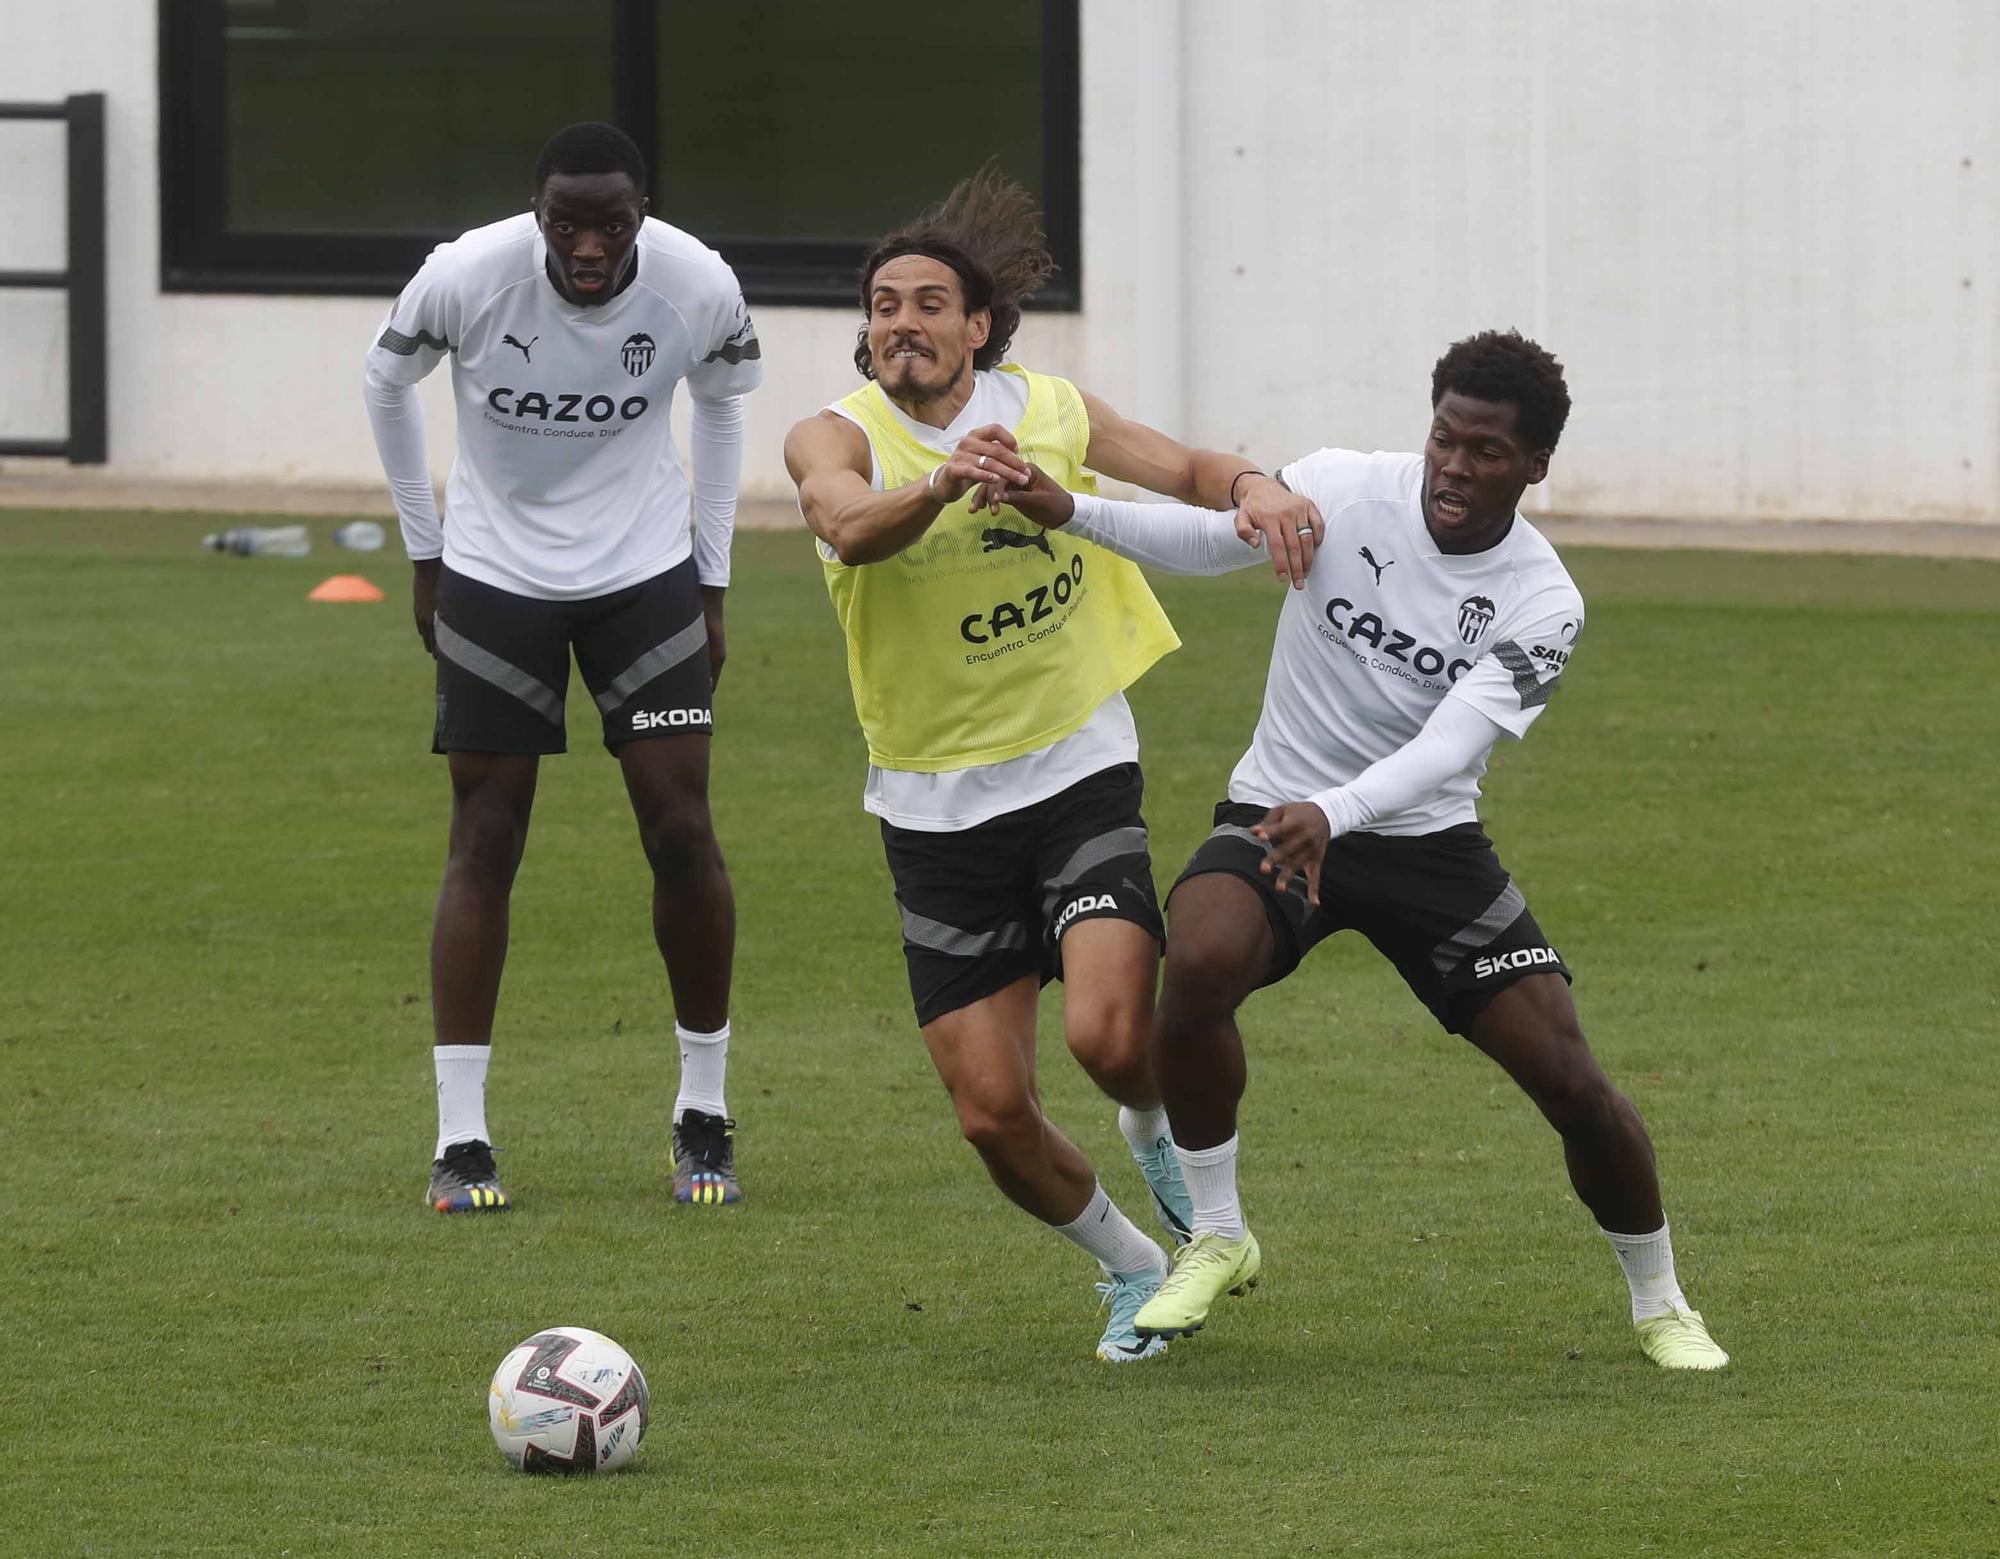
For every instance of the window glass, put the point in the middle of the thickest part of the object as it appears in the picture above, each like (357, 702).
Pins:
(796, 119)
(385, 116)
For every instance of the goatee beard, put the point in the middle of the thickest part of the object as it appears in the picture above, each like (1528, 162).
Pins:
(923, 394)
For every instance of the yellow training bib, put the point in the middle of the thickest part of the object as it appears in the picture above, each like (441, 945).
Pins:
(988, 636)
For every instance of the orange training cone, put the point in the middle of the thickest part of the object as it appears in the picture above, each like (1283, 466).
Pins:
(345, 587)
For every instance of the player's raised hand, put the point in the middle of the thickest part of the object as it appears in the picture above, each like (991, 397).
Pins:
(986, 459)
(1298, 834)
(1269, 514)
(1043, 500)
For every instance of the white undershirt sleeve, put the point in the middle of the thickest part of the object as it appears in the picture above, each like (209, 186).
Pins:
(1453, 739)
(1176, 538)
(715, 436)
(397, 417)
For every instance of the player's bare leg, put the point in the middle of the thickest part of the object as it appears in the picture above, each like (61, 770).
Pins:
(985, 1056)
(694, 906)
(1219, 946)
(491, 799)
(694, 925)
(1109, 969)
(1531, 1029)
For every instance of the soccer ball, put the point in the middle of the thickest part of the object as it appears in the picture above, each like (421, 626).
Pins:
(568, 1400)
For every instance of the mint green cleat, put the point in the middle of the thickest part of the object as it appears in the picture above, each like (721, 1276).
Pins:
(1205, 1268)
(1162, 1168)
(1679, 1340)
(1120, 1344)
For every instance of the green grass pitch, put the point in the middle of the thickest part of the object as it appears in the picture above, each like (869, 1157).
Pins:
(1760, 822)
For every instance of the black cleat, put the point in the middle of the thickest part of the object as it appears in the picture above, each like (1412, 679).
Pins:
(466, 1181)
(705, 1160)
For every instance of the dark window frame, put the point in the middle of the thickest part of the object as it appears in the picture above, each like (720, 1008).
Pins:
(199, 254)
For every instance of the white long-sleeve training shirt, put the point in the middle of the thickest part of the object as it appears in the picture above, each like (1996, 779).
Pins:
(567, 483)
(1397, 666)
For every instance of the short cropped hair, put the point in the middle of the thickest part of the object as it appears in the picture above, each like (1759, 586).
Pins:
(591, 148)
(1504, 365)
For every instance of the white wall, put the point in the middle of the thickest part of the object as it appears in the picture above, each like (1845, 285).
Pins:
(1763, 235)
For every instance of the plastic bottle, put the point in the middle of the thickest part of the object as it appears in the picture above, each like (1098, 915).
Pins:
(359, 536)
(261, 541)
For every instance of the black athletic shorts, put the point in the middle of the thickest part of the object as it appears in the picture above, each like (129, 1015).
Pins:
(983, 906)
(503, 663)
(1440, 907)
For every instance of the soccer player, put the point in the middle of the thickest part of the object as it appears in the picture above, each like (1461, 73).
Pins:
(568, 328)
(988, 664)
(1436, 621)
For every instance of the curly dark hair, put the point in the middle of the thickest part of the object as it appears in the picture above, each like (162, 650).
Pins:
(989, 231)
(1504, 365)
(590, 147)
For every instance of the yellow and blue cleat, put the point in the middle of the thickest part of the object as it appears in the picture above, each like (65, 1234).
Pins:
(705, 1160)
(1207, 1267)
(1679, 1340)
(465, 1180)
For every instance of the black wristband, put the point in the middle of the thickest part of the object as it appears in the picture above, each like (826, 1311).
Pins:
(1250, 471)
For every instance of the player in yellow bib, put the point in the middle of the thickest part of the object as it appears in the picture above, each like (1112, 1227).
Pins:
(988, 660)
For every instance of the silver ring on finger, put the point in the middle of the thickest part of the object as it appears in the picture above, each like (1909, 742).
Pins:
(982, 462)
(1305, 530)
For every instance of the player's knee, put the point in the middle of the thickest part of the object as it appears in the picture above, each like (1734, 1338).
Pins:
(486, 845)
(1003, 1126)
(1111, 1037)
(678, 841)
(1579, 1100)
(1207, 973)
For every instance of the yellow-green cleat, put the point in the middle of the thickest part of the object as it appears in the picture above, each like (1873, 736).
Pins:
(1679, 1340)
(1207, 1267)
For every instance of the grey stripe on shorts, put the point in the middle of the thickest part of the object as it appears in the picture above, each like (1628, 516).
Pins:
(488, 667)
(1089, 855)
(663, 656)
(1462, 944)
(1237, 831)
(922, 931)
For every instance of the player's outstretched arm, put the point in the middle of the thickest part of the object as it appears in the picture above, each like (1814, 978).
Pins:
(1175, 538)
(829, 461)
(1267, 512)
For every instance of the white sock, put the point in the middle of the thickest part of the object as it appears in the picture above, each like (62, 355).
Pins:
(1648, 1260)
(1144, 1128)
(704, 1061)
(461, 1084)
(1210, 1174)
(1119, 1245)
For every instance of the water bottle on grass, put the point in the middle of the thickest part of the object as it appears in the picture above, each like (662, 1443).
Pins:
(261, 541)
(359, 536)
